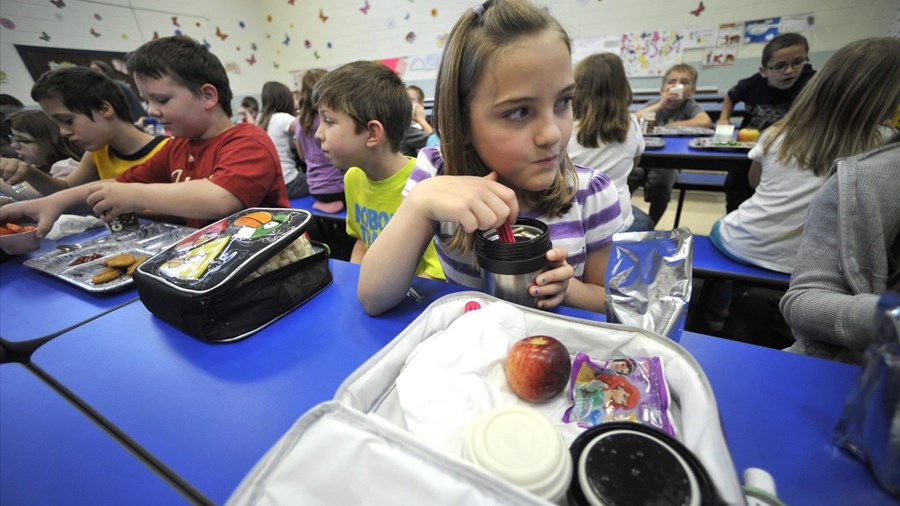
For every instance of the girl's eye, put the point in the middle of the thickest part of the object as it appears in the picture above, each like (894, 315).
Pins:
(564, 103)
(517, 114)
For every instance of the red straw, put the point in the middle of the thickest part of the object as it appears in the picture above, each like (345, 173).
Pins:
(505, 233)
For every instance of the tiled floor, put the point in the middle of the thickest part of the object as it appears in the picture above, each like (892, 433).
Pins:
(754, 316)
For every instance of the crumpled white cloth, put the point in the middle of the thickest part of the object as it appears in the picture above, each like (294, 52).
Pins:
(457, 374)
(69, 224)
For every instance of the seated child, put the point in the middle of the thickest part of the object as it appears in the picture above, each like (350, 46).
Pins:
(326, 183)
(38, 142)
(419, 130)
(767, 96)
(90, 112)
(364, 109)
(276, 119)
(839, 115)
(219, 168)
(674, 108)
(504, 131)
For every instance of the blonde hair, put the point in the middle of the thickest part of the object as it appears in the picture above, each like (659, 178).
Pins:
(475, 41)
(682, 67)
(839, 112)
(307, 108)
(602, 97)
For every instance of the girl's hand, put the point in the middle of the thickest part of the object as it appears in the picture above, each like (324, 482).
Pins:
(550, 286)
(475, 203)
(14, 171)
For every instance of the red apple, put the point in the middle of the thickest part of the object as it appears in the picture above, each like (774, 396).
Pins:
(537, 368)
(748, 135)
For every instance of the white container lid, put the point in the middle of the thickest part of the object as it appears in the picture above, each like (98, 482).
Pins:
(520, 445)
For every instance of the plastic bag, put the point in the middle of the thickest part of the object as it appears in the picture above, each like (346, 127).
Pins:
(869, 428)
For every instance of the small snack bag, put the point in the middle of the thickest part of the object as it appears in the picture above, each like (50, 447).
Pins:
(619, 389)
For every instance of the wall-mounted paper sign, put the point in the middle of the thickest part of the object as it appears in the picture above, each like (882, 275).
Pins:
(761, 30)
(584, 47)
(798, 23)
(730, 34)
(699, 37)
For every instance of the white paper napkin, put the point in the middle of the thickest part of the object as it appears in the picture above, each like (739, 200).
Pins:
(69, 224)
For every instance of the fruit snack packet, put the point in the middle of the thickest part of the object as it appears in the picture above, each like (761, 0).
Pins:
(619, 389)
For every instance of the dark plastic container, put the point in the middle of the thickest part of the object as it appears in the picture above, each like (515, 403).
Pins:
(508, 269)
(621, 463)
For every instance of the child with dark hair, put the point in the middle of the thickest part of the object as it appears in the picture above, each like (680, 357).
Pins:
(90, 112)
(276, 119)
(767, 96)
(219, 168)
(8, 105)
(135, 106)
(248, 111)
(364, 110)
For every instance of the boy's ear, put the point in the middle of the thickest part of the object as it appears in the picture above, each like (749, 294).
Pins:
(107, 111)
(762, 71)
(374, 133)
(209, 95)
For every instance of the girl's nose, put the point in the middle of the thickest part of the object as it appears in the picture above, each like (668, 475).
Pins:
(549, 132)
(320, 136)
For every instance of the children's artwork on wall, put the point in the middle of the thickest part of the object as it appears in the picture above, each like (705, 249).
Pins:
(704, 36)
(583, 47)
(651, 53)
(729, 34)
(761, 30)
(797, 23)
(719, 56)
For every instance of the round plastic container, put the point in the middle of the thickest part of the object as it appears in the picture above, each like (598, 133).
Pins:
(508, 269)
(520, 445)
(621, 463)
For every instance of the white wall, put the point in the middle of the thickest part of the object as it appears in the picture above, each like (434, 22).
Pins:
(382, 31)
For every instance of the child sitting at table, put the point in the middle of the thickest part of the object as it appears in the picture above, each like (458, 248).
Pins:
(326, 183)
(606, 136)
(674, 108)
(839, 114)
(364, 110)
(276, 119)
(219, 168)
(90, 111)
(504, 131)
(767, 96)
(38, 142)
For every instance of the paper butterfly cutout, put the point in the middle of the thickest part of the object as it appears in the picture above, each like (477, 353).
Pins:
(252, 59)
(316, 54)
(699, 9)
(45, 37)
(322, 16)
(220, 34)
(292, 3)
(175, 21)
(365, 9)
(95, 33)
(58, 3)
(287, 40)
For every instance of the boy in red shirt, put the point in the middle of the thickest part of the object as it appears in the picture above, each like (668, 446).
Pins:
(220, 168)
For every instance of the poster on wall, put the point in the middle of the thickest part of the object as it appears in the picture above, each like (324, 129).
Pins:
(584, 47)
(761, 30)
(719, 56)
(700, 37)
(651, 53)
(797, 23)
(729, 34)
(39, 59)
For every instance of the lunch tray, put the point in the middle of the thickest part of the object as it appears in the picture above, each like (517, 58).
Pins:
(654, 143)
(146, 241)
(680, 132)
(710, 144)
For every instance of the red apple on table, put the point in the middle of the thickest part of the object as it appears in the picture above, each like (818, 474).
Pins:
(538, 368)
(748, 135)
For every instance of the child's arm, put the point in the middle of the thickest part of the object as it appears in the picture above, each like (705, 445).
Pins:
(295, 126)
(15, 171)
(654, 107)
(755, 173)
(359, 251)
(727, 107)
(701, 119)
(390, 263)
(46, 210)
(199, 199)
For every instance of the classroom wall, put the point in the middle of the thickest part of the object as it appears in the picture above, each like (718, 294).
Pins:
(266, 40)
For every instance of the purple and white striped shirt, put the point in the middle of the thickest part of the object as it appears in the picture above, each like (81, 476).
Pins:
(588, 225)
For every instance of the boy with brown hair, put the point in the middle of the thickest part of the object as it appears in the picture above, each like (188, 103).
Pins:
(220, 168)
(675, 107)
(364, 110)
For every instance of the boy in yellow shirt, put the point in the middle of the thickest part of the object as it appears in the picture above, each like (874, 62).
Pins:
(364, 111)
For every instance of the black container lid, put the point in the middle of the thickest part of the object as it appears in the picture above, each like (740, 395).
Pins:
(525, 255)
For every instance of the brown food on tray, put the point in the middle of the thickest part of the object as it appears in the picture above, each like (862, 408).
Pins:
(123, 260)
(106, 275)
(137, 261)
(83, 259)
